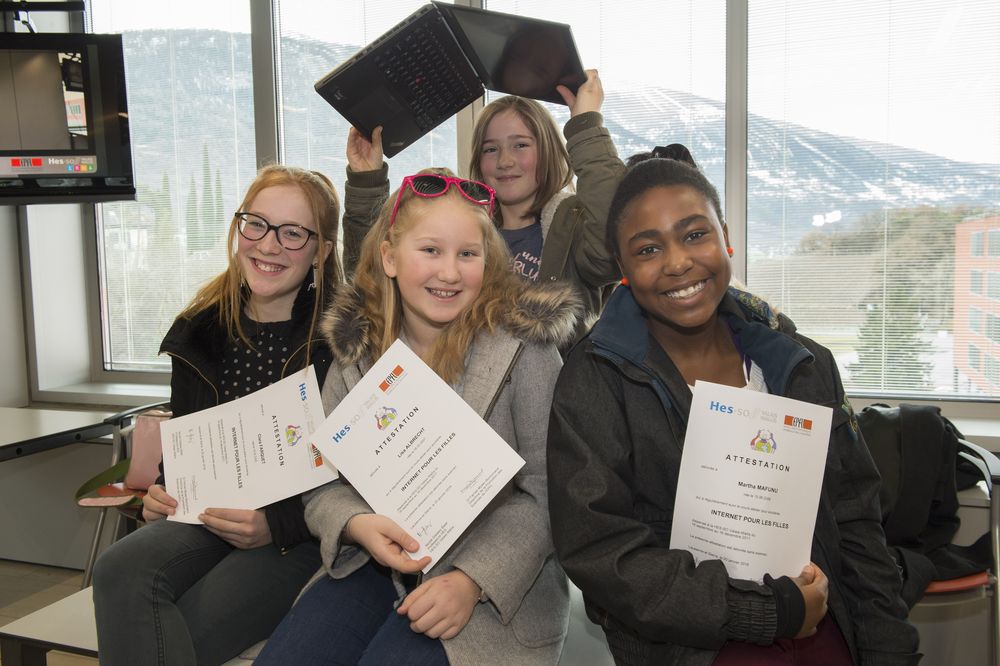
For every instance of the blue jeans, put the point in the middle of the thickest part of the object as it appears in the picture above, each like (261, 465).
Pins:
(175, 594)
(350, 621)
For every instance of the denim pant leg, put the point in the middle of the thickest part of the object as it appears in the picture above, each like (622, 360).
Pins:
(136, 584)
(244, 597)
(334, 620)
(397, 644)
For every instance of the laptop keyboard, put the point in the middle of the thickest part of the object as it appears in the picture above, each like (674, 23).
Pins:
(424, 73)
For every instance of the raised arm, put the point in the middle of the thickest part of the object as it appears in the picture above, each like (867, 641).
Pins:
(366, 189)
(598, 171)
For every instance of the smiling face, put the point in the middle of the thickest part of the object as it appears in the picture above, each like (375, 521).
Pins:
(673, 252)
(509, 162)
(438, 262)
(273, 273)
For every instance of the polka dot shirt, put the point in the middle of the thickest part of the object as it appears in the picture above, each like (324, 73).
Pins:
(246, 369)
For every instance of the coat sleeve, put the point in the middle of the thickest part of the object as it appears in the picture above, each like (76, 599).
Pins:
(622, 567)
(364, 193)
(869, 576)
(329, 507)
(598, 171)
(506, 551)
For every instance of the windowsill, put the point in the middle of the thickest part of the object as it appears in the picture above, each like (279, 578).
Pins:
(113, 394)
(979, 422)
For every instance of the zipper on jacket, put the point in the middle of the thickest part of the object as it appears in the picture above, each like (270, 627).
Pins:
(195, 368)
(504, 381)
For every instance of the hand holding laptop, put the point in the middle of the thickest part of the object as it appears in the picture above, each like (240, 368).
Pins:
(589, 97)
(364, 154)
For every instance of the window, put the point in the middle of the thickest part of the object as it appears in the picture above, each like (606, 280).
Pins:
(190, 111)
(854, 210)
(993, 371)
(993, 285)
(853, 207)
(662, 66)
(975, 357)
(993, 328)
(976, 244)
(313, 39)
(976, 282)
(975, 320)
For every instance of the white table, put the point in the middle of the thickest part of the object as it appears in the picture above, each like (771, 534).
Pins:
(25, 431)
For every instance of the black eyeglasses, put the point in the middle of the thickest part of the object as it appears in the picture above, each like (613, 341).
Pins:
(290, 236)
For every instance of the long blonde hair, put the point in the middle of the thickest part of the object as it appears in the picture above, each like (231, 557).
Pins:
(552, 172)
(227, 292)
(381, 303)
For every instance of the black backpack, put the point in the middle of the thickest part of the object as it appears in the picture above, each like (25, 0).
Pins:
(916, 452)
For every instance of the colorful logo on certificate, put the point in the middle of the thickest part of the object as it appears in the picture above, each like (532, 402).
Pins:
(384, 417)
(293, 434)
(391, 378)
(798, 422)
(764, 442)
(317, 456)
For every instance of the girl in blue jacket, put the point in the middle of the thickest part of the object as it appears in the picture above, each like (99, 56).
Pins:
(616, 436)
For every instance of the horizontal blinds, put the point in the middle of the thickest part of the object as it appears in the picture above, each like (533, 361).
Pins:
(874, 186)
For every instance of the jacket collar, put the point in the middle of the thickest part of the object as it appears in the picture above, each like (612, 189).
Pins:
(549, 211)
(766, 337)
(542, 314)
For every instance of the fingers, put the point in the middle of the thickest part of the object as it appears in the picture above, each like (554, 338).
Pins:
(157, 504)
(242, 528)
(364, 154)
(568, 97)
(590, 95)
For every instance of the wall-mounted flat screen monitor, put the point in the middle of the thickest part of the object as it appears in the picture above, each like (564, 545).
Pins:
(64, 131)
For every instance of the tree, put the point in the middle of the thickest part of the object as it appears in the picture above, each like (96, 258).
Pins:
(889, 342)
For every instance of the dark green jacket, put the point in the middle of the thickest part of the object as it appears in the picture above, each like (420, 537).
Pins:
(572, 224)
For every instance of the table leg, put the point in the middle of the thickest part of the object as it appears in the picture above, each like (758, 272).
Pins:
(15, 653)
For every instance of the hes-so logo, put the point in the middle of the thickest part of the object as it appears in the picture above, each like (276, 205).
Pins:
(384, 417)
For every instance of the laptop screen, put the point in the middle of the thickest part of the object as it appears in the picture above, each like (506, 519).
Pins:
(517, 55)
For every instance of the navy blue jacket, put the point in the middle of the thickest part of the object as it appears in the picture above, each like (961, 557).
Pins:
(616, 434)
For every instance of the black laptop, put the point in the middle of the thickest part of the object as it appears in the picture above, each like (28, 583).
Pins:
(439, 59)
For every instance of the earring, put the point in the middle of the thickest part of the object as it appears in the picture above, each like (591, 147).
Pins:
(313, 285)
(730, 250)
(625, 281)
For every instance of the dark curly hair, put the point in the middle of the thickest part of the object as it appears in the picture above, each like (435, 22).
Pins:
(647, 174)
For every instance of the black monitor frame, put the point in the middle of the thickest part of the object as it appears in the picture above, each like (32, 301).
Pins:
(99, 171)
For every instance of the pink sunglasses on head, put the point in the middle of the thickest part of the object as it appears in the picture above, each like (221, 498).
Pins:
(430, 185)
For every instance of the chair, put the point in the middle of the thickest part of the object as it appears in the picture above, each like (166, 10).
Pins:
(953, 613)
(135, 459)
(947, 541)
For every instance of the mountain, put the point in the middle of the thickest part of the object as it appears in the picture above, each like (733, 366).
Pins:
(192, 89)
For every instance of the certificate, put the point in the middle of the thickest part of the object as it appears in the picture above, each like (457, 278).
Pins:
(750, 478)
(416, 451)
(247, 453)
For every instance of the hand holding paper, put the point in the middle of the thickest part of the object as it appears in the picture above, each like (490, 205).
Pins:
(386, 542)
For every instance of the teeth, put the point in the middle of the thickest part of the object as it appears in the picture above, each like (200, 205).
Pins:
(268, 268)
(687, 291)
(440, 293)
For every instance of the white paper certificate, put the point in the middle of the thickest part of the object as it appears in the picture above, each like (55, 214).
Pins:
(750, 479)
(247, 453)
(416, 451)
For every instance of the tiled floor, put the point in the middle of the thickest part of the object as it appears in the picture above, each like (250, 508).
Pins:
(25, 588)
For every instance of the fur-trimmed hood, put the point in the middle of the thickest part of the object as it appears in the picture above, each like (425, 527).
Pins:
(544, 314)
